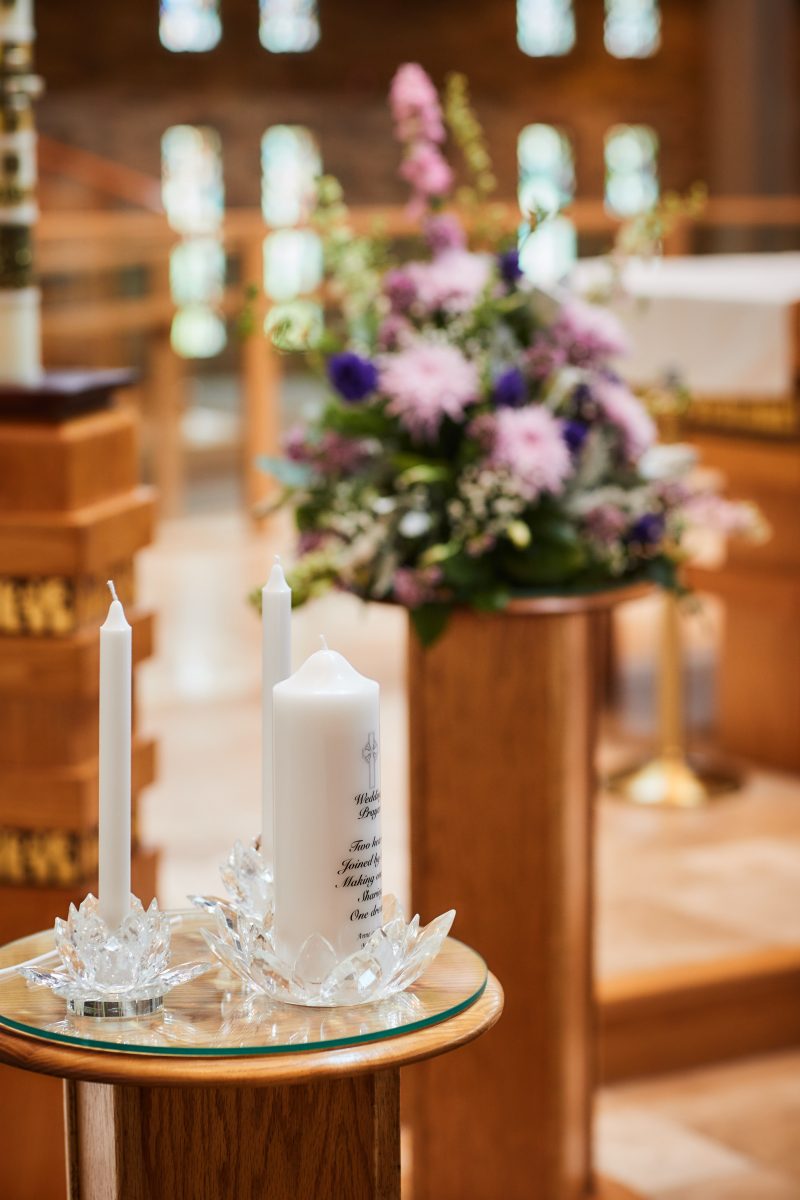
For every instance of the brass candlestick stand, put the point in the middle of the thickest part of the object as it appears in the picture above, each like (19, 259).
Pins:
(671, 780)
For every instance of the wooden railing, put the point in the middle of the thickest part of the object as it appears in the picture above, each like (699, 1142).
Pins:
(85, 258)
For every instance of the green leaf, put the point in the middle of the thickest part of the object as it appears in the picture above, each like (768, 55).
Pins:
(438, 553)
(493, 599)
(430, 621)
(425, 472)
(291, 474)
(463, 571)
(664, 572)
(544, 563)
(549, 526)
(356, 422)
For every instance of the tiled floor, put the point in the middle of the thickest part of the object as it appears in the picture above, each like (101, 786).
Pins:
(724, 1133)
(673, 887)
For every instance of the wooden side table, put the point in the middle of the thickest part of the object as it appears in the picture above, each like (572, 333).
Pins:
(229, 1097)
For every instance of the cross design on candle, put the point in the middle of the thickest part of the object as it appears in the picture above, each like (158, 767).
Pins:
(370, 754)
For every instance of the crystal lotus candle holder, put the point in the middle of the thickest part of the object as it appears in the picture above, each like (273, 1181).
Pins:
(122, 972)
(247, 877)
(393, 958)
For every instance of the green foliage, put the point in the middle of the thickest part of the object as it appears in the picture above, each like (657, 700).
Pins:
(430, 621)
(556, 553)
(663, 571)
(491, 599)
(468, 134)
(356, 422)
(467, 573)
(643, 235)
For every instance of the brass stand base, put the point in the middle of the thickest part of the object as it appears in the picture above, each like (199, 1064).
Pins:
(673, 782)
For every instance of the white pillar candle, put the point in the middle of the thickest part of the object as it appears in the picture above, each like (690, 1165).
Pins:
(276, 665)
(115, 765)
(20, 336)
(327, 853)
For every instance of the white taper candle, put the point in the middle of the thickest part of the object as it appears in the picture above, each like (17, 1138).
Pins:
(115, 765)
(276, 665)
(327, 853)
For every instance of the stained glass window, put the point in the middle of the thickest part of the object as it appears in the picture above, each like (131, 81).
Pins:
(546, 168)
(545, 27)
(633, 28)
(547, 254)
(290, 164)
(198, 332)
(292, 263)
(631, 169)
(191, 25)
(193, 193)
(546, 181)
(197, 271)
(288, 26)
(192, 188)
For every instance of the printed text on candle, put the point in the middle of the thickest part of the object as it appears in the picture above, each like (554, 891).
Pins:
(360, 870)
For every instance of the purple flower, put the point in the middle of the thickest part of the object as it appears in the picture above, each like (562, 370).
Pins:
(528, 443)
(731, 518)
(310, 540)
(352, 376)
(329, 454)
(621, 408)
(509, 389)
(452, 283)
(394, 332)
(400, 289)
(413, 588)
(575, 435)
(605, 523)
(544, 358)
(426, 382)
(508, 266)
(589, 334)
(427, 170)
(444, 232)
(648, 530)
(582, 400)
(415, 105)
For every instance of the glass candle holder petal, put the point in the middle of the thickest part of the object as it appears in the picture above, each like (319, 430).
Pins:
(247, 877)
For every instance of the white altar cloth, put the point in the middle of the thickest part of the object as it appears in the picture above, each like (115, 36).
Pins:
(727, 323)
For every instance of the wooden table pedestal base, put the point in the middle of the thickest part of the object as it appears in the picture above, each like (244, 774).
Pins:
(333, 1139)
(502, 734)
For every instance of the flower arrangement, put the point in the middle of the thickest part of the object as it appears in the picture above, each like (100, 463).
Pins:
(479, 441)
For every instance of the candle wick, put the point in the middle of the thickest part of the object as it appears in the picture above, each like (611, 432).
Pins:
(324, 643)
(278, 559)
(112, 589)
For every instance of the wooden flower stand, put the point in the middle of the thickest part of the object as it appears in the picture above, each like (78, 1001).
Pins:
(502, 737)
(72, 514)
(197, 1123)
(760, 588)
